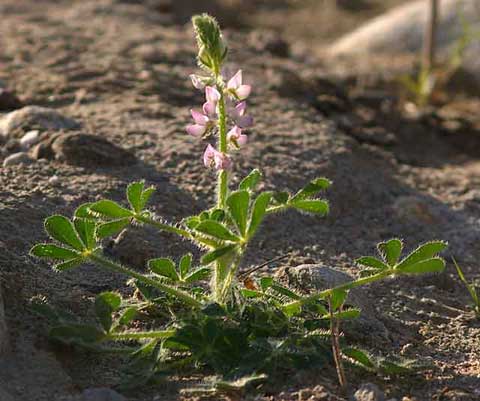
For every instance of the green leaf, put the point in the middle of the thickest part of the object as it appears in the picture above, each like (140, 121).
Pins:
(311, 189)
(86, 230)
(201, 273)
(358, 356)
(391, 250)
(346, 314)
(251, 293)
(285, 291)
(217, 230)
(250, 182)
(134, 195)
(111, 228)
(238, 203)
(258, 212)
(68, 264)
(105, 304)
(281, 197)
(217, 215)
(217, 253)
(76, 333)
(83, 211)
(373, 262)
(316, 206)
(292, 309)
(52, 251)
(185, 264)
(164, 267)
(433, 265)
(338, 298)
(62, 229)
(127, 316)
(110, 209)
(423, 252)
(266, 283)
(192, 222)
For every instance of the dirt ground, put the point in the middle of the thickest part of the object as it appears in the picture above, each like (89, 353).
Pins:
(120, 68)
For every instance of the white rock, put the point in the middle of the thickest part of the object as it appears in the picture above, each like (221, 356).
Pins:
(401, 30)
(17, 158)
(54, 180)
(30, 139)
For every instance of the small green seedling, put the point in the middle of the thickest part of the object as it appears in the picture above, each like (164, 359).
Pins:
(471, 288)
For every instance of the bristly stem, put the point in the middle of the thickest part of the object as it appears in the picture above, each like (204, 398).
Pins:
(335, 335)
(110, 265)
(222, 144)
(165, 227)
(140, 335)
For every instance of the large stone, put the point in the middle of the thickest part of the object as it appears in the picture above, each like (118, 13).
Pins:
(313, 278)
(17, 158)
(17, 123)
(369, 392)
(401, 30)
(87, 150)
(3, 327)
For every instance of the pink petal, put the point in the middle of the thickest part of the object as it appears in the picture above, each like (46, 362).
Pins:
(240, 108)
(212, 94)
(242, 140)
(199, 118)
(235, 132)
(243, 91)
(222, 161)
(210, 109)
(209, 155)
(197, 83)
(235, 81)
(196, 130)
(245, 121)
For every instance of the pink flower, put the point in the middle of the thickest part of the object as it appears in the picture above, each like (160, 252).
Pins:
(236, 88)
(236, 137)
(197, 82)
(203, 123)
(239, 116)
(213, 158)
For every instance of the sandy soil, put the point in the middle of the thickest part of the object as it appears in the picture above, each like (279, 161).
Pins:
(120, 68)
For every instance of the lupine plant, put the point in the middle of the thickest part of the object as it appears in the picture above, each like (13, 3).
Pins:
(199, 314)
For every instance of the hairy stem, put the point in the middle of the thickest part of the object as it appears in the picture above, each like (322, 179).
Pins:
(227, 284)
(140, 335)
(110, 265)
(337, 357)
(222, 144)
(165, 227)
(347, 286)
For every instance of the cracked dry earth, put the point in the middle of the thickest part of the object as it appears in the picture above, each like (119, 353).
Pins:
(121, 69)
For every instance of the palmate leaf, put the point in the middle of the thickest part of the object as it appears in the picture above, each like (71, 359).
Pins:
(127, 316)
(359, 356)
(238, 203)
(217, 253)
(105, 304)
(370, 261)
(258, 212)
(53, 251)
(185, 264)
(337, 299)
(110, 209)
(250, 182)
(111, 228)
(202, 273)
(315, 206)
(433, 265)
(61, 229)
(68, 264)
(312, 189)
(423, 252)
(138, 196)
(391, 250)
(164, 267)
(86, 231)
(216, 230)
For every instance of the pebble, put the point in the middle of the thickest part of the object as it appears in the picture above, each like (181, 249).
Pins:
(30, 139)
(17, 158)
(54, 180)
(369, 392)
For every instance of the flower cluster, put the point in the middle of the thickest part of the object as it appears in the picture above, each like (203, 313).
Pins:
(225, 104)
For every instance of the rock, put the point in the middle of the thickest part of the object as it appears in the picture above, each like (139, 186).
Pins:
(17, 158)
(317, 277)
(3, 329)
(30, 139)
(28, 118)
(9, 100)
(83, 150)
(54, 180)
(368, 392)
(402, 29)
